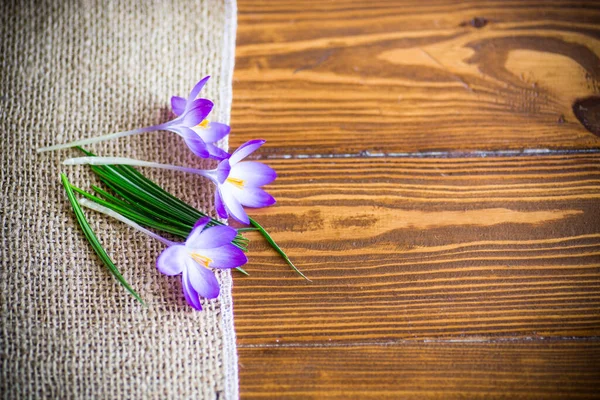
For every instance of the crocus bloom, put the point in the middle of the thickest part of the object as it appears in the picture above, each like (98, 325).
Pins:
(218, 175)
(191, 124)
(238, 182)
(210, 132)
(242, 185)
(203, 250)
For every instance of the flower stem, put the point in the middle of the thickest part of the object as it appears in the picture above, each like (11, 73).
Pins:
(105, 210)
(97, 139)
(210, 174)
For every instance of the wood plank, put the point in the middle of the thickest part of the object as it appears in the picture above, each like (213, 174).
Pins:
(349, 77)
(510, 370)
(421, 248)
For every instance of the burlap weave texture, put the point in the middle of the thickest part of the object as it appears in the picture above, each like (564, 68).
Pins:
(73, 69)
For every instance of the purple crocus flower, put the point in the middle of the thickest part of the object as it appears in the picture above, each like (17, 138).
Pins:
(209, 132)
(191, 124)
(199, 133)
(238, 182)
(242, 185)
(203, 250)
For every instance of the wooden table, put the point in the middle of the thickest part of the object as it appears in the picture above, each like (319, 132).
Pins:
(439, 182)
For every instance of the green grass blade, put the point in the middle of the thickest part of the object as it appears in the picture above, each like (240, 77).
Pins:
(247, 229)
(148, 204)
(127, 177)
(134, 193)
(276, 247)
(152, 187)
(134, 187)
(156, 190)
(134, 216)
(93, 240)
(142, 210)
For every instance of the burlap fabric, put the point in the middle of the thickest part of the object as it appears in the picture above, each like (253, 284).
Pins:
(73, 69)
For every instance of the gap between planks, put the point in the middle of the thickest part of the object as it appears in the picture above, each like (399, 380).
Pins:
(437, 154)
(464, 340)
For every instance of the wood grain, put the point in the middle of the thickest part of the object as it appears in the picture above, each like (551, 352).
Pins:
(439, 182)
(386, 77)
(502, 254)
(427, 248)
(512, 370)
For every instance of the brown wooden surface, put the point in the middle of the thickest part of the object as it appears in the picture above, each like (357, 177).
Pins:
(439, 182)
(471, 370)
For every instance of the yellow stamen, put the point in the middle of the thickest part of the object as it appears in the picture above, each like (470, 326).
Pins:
(236, 182)
(202, 260)
(203, 124)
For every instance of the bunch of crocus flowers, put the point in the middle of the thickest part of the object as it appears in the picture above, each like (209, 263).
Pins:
(137, 201)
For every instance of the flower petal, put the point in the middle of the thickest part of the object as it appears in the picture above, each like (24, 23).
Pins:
(191, 296)
(219, 205)
(196, 145)
(214, 132)
(224, 257)
(253, 173)
(197, 88)
(223, 170)
(216, 153)
(203, 281)
(253, 197)
(215, 236)
(245, 150)
(233, 206)
(197, 112)
(178, 105)
(201, 223)
(194, 238)
(172, 260)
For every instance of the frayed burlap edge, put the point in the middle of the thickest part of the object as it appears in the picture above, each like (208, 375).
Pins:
(229, 340)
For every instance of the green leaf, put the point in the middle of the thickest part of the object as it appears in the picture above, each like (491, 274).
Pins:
(134, 216)
(247, 229)
(276, 247)
(149, 200)
(91, 237)
(240, 269)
